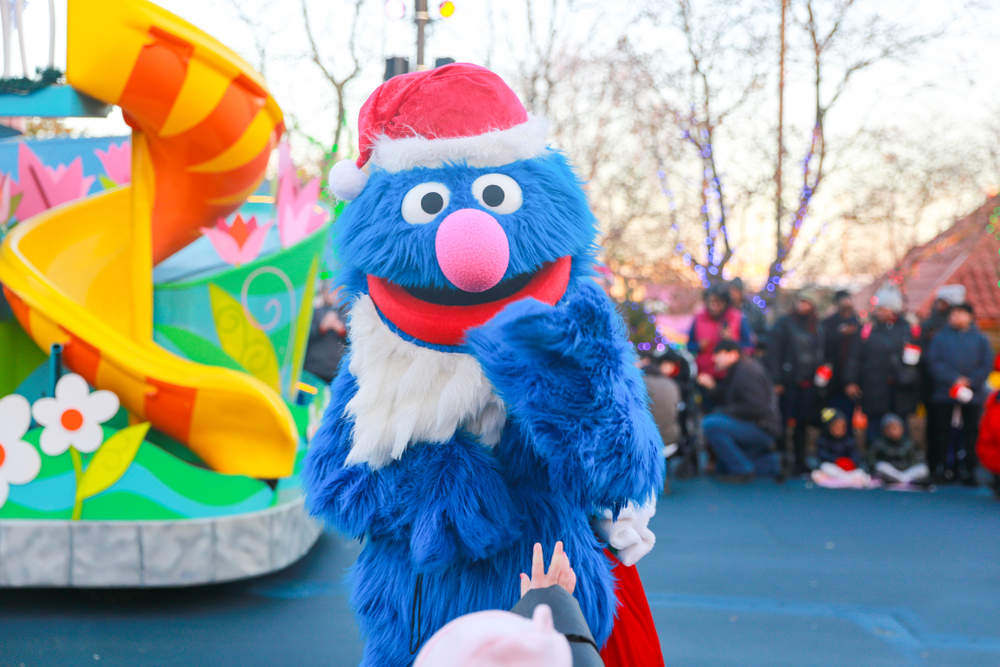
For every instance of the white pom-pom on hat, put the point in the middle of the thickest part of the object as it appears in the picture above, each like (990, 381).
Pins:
(346, 180)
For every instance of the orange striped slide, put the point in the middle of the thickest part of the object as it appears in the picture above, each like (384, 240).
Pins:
(81, 274)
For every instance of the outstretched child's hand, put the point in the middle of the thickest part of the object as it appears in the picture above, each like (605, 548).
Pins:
(560, 573)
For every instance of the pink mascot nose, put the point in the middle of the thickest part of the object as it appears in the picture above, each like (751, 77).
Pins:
(472, 250)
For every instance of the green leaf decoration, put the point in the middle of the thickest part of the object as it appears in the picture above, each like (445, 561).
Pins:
(15, 201)
(106, 182)
(196, 348)
(302, 327)
(111, 461)
(242, 340)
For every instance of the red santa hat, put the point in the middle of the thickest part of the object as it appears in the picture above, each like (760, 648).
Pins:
(455, 113)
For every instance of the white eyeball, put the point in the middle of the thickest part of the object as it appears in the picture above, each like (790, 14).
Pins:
(423, 202)
(498, 193)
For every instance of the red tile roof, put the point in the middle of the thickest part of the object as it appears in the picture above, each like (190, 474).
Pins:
(968, 253)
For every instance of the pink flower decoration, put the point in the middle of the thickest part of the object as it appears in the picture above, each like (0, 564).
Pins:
(298, 212)
(5, 200)
(117, 162)
(44, 187)
(239, 242)
(285, 166)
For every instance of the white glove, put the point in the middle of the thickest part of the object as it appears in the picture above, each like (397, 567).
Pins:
(629, 535)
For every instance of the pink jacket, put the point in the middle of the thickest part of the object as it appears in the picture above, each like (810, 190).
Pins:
(707, 332)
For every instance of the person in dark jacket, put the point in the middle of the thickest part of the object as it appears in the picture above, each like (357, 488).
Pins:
(327, 337)
(836, 442)
(839, 332)
(837, 451)
(893, 457)
(944, 299)
(742, 429)
(795, 351)
(753, 315)
(934, 322)
(960, 361)
(882, 368)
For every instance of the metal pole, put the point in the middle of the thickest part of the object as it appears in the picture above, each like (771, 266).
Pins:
(421, 16)
(6, 18)
(779, 212)
(52, 34)
(55, 367)
(19, 25)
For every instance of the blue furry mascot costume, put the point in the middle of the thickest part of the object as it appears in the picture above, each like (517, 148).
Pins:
(489, 398)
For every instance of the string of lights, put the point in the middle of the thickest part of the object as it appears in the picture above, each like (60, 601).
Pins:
(713, 210)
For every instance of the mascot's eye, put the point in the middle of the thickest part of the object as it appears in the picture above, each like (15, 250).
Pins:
(423, 202)
(497, 192)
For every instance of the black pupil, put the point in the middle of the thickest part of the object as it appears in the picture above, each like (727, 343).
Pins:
(493, 195)
(432, 203)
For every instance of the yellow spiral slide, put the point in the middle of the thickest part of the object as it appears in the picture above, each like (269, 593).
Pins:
(81, 274)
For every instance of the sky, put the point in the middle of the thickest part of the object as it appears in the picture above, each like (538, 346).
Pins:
(959, 74)
(961, 66)
(945, 90)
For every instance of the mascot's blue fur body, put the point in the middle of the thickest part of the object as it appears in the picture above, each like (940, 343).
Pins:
(448, 525)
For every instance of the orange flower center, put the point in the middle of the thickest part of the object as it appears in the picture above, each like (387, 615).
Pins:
(3, 455)
(241, 229)
(71, 419)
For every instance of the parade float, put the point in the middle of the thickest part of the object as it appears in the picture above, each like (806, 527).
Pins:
(153, 325)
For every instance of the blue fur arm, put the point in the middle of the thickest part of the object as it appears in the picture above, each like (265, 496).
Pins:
(446, 500)
(568, 376)
(462, 507)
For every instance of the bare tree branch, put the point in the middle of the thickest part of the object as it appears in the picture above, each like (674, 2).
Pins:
(888, 45)
(258, 32)
(339, 85)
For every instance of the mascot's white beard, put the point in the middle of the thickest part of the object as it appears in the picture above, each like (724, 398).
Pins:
(408, 393)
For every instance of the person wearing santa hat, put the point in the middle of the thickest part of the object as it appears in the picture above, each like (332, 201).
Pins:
(489, 399)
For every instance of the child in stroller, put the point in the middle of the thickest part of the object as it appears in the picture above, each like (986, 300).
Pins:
(670, 373)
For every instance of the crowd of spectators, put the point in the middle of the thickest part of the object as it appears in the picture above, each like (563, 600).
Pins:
(849, 401)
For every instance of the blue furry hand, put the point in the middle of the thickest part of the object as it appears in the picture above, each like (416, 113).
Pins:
(568, 377)
(584, 322)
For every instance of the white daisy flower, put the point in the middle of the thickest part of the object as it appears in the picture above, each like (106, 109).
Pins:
(19, 461)
(74, 416)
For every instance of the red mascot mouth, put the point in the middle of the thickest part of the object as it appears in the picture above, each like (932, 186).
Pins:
(442, 316)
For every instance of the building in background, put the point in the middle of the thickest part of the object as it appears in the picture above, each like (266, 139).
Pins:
(967, 253)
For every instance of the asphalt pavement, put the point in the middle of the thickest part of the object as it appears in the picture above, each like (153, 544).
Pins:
(751, 574)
